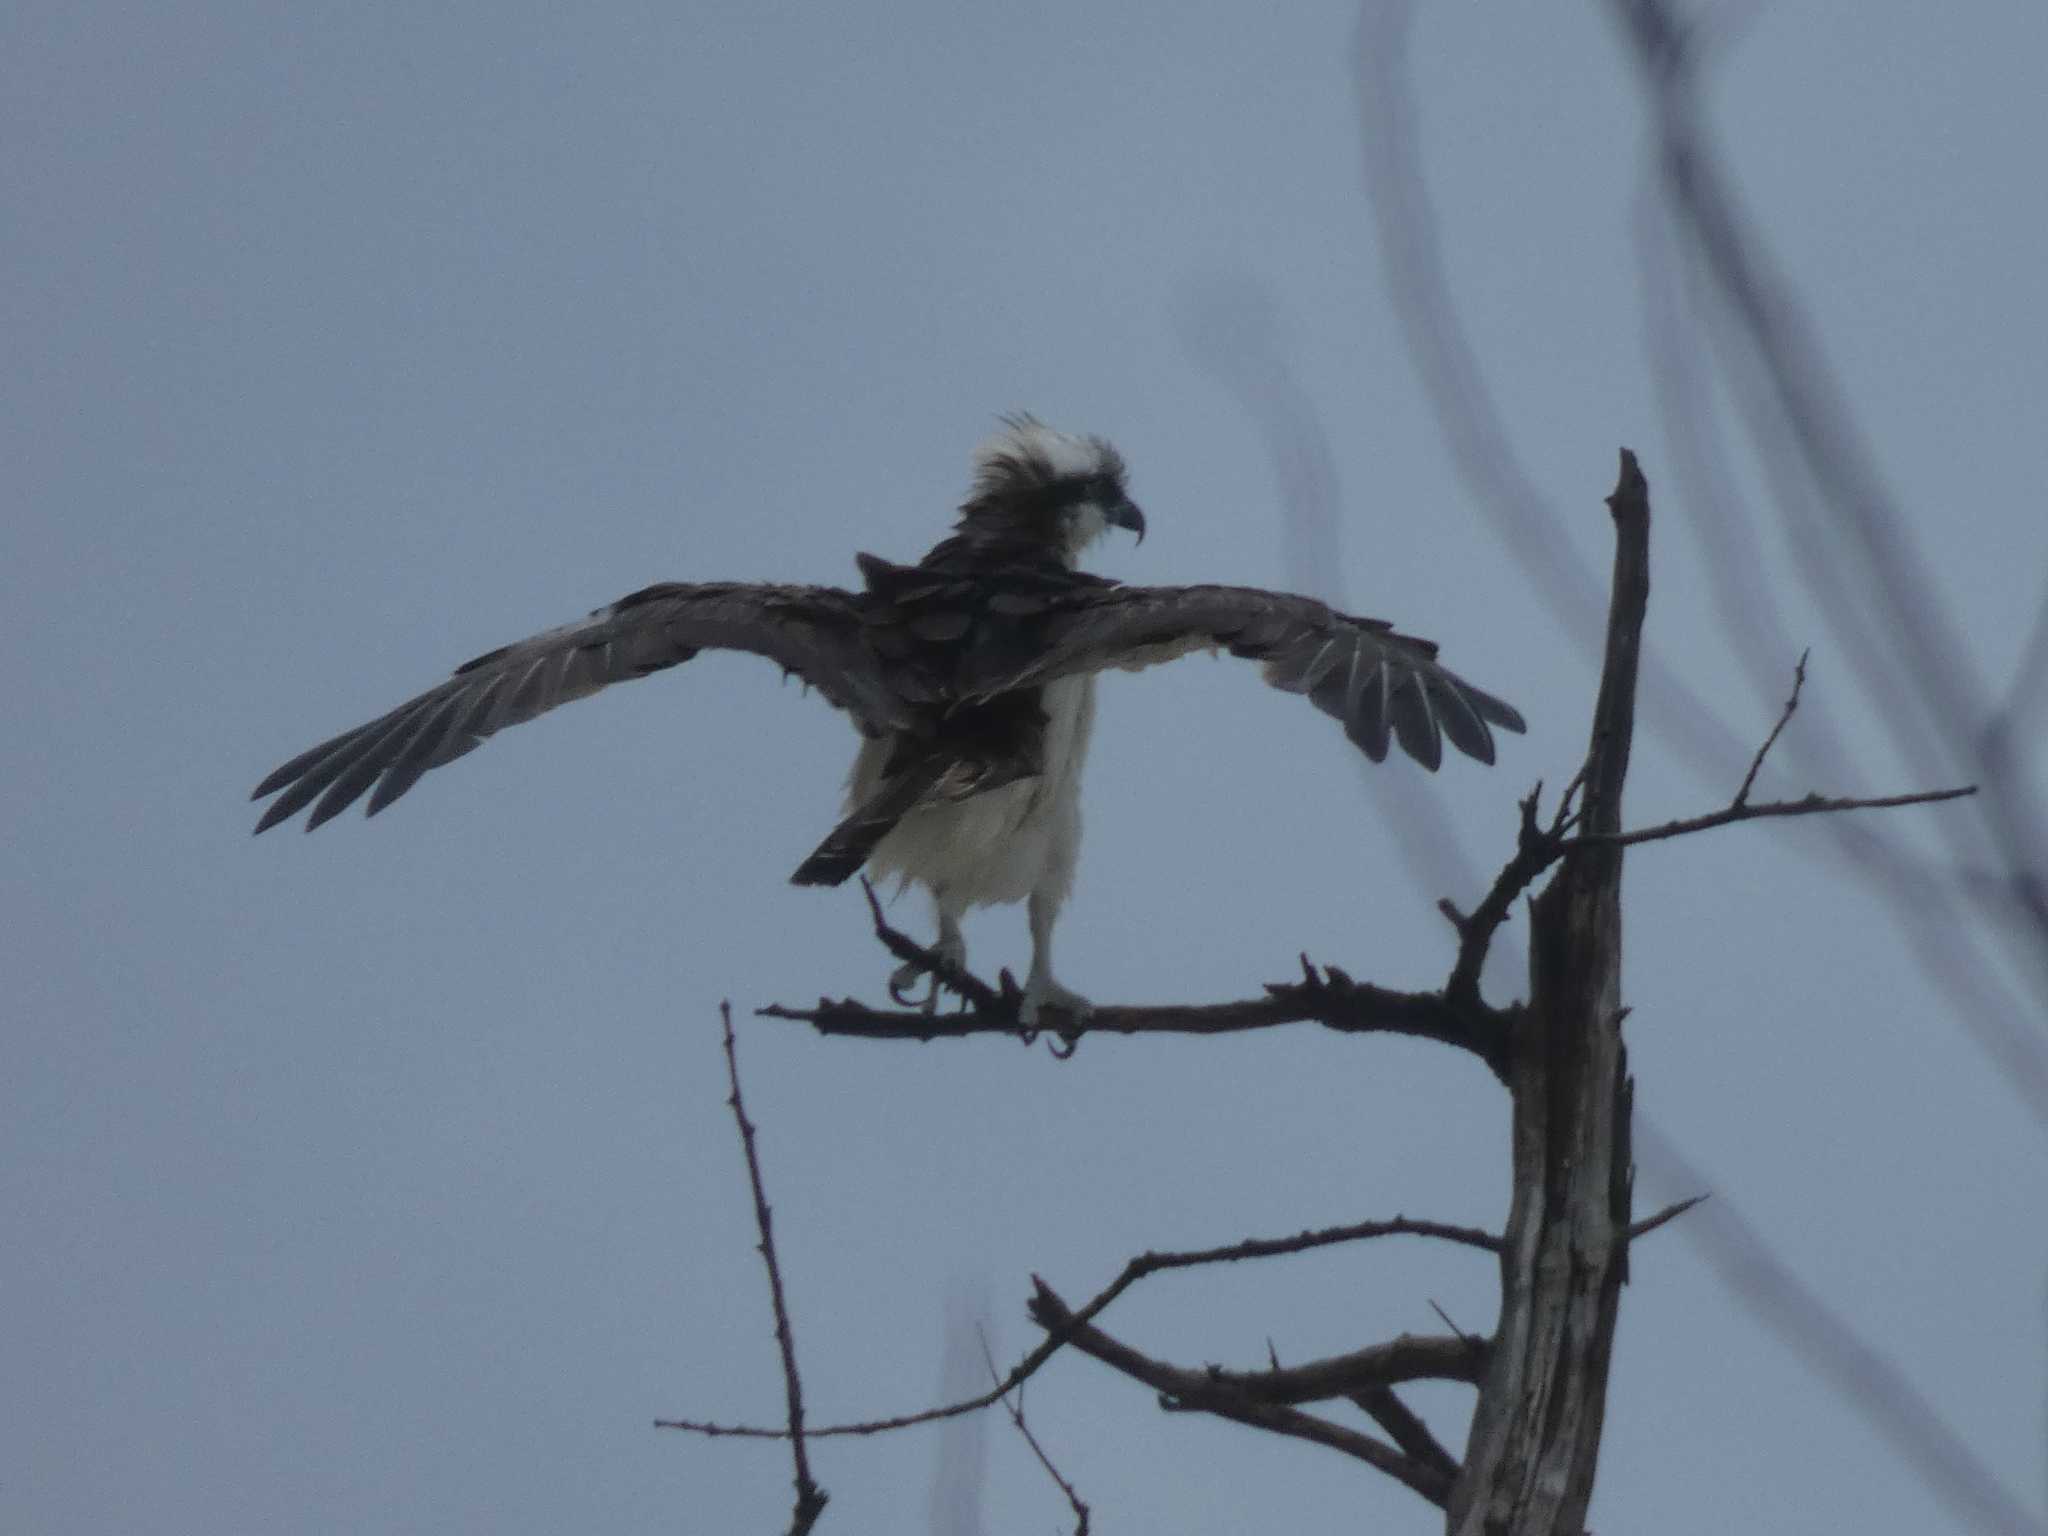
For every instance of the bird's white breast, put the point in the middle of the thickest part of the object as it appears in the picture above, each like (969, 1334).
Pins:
(1002, 845)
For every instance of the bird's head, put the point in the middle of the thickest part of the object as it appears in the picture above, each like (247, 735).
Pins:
(1046, 490)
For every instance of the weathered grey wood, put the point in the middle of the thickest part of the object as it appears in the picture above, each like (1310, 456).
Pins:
(1535, 1437)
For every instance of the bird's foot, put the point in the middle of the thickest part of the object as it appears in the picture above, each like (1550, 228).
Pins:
(950, 951)
(1043, 995)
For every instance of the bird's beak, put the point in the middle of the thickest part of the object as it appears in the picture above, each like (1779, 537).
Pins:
(1125, 514)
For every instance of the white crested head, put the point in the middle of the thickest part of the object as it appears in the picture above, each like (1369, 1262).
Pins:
(1037, 487)
(1024, 438)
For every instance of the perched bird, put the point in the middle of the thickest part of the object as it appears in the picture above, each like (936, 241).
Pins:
(969, 675)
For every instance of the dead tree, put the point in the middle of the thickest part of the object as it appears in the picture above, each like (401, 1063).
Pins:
(1541, 1376)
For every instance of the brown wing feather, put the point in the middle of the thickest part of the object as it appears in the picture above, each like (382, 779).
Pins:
(814, 632)
(1381, 685)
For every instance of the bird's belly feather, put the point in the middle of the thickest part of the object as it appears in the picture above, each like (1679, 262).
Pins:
(1001, 845)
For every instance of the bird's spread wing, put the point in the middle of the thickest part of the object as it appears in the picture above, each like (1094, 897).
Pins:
(813, 632)
(1380, 684)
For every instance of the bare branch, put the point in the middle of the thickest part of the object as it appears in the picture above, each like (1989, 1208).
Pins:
(1302, 1242)
(1406, 1429)
(1812, 805)
(1445, 1317)
(1016, 1413)
(1411, 1357)
(1148, 1263)
(1536, 849)
(1670, 1212)
(1756, 763)
(1184, 1390)
(810, 1498)
(1325, 995)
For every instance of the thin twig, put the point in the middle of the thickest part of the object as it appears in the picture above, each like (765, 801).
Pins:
(1535, 851)
(1756, 763)
(1670, 1212)
(1016, 1413)
(1446, 1317)
(1567, 815)
(810, 1498)
(1812, 805)
(1538, 847)
(1150, 1263)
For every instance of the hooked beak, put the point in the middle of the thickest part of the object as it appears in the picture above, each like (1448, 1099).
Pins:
(1125, 514)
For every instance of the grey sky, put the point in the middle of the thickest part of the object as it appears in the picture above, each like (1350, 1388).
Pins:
(381, 1180)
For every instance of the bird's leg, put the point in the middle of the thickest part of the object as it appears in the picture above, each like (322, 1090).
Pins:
(1040, 990)
(950, 948)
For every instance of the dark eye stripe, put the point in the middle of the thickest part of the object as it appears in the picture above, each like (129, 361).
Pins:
(1071, 493)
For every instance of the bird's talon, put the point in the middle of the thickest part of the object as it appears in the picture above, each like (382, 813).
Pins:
(1044, 994)
(903, 986)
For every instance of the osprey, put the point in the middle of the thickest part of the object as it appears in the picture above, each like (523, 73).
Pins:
(969, 675)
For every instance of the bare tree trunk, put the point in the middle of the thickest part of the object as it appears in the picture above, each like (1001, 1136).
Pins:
(1535, 1438)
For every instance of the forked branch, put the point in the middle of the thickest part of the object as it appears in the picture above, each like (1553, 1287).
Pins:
(1183, 1390)
(1150, 1263)
(1016, 1412)
(1538, 847)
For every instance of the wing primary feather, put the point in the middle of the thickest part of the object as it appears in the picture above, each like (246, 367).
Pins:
(361, 771)
(483, 718)
(1365, 701)
(316, 779)
(1415, 722)
(318, 774)
(1461, 722)
(419, 754)
(1499, 711)
(286, 773)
